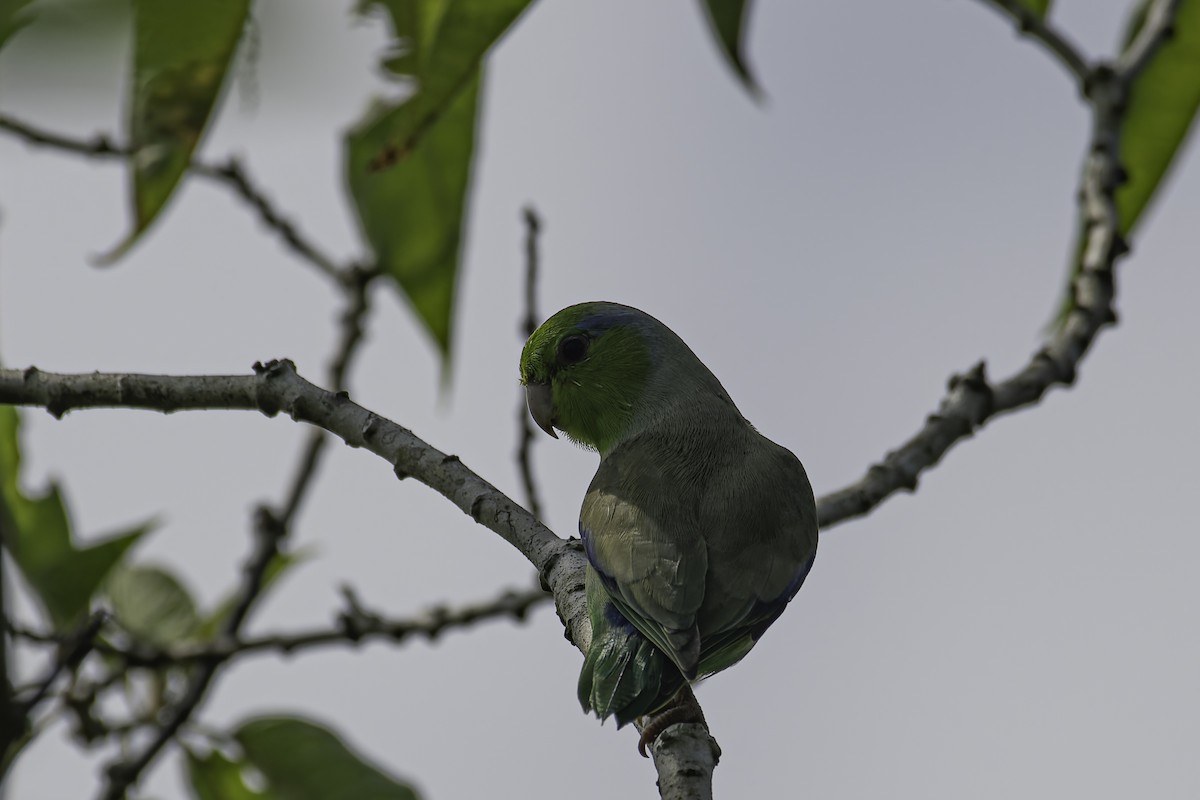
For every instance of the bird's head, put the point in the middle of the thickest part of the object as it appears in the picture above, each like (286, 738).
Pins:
(587, 368)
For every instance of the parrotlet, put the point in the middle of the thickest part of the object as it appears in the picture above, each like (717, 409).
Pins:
(698, 529)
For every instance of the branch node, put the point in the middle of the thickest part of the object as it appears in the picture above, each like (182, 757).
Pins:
(1120, 246)
(1101, 75)
(370, 428)
(57, 407)
(477, 508)
(269, 527)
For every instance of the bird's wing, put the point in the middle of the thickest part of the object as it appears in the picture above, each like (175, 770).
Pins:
(762, 540)
(638, 527)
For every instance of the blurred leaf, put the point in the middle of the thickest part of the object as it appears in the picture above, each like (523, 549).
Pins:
(439, 44)
(280, 565)
(18, 740)
(1162, 106)
(182, 52)
(215, 777)
(408, 163)
(303, 761)
(1040, 8)
(37, 532)
(412, 213)
(727, 19)
(151, 604)
(12, 19)
(1163, 102)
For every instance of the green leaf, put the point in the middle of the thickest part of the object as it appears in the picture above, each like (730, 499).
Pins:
(150, 603)
(301, 760)
(182, 52)
(440, 45)
(216, 777)
(412, 212)
(37, 532)
(408, 163)
(1040, 8)
(12, 18)
(280, 565)
(1163, 102)
(727, 19)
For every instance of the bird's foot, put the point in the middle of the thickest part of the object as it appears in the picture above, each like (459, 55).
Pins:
(683, 708)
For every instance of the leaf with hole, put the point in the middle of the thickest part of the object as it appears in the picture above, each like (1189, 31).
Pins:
(408, 162)
(217, 777)
(182, 52)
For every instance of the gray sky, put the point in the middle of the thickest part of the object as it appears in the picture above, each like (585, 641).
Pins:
(1025, 625)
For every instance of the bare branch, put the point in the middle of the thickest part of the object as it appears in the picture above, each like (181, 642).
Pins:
(354, 626)
(1040, 30)
(231, 174)
(685, 757)
(275, 388)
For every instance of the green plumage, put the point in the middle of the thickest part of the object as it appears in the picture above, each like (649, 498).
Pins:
(698, 529)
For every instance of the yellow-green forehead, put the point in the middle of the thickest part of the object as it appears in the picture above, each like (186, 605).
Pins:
(592, 318)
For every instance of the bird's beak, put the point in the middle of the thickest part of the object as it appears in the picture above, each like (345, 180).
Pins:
(541, 406)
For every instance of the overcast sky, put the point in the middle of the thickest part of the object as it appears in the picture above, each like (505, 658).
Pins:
(900, 207)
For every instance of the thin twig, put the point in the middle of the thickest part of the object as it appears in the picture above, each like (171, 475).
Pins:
(525, 435)
(232, 174)
(1039, 29)
(353, 331)
(71, 650)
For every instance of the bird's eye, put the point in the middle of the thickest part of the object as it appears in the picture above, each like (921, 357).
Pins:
(572, 349)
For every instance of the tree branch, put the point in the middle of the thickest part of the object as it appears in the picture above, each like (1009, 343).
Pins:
(354, 626)
(275, 388)
(353, 332)
(971, 400)
(684, 754)
(232, 174)
(71, 650)
(271, 527)
(1035, 27)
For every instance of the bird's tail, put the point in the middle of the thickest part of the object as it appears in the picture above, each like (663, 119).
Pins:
(624, 675)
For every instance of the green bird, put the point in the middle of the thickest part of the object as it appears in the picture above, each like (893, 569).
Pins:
(698, 529)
